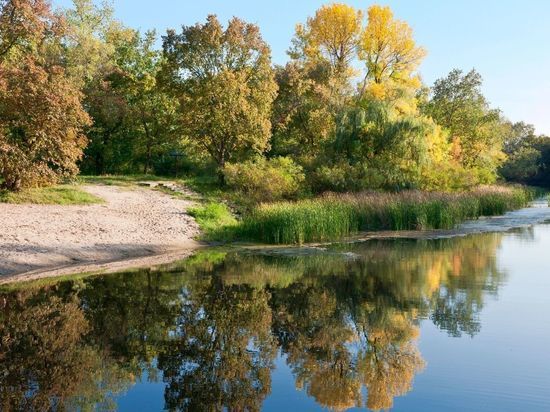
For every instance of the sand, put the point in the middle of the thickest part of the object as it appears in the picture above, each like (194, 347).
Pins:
(135, 226)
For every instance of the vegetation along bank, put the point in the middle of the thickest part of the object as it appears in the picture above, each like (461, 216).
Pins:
(344, 136)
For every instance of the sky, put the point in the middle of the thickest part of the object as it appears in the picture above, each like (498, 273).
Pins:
(507, 41)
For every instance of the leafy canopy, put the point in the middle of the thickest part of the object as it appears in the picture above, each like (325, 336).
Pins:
(225, 85)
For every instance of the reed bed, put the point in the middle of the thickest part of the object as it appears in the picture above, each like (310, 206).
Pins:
(334, 216)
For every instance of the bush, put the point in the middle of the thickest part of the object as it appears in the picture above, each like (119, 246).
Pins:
(265, 180)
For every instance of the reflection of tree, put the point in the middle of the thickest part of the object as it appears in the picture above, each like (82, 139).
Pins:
(44, 363)
(471, 273)
(345, 320)
(389, 361)
(333, 355)
(132, 315)
(222, 352)
(313, 334)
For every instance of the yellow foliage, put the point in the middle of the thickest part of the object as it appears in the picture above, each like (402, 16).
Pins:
(333, 33)
(389, 50)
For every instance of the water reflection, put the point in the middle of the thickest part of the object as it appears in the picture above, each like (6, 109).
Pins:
(346, 322)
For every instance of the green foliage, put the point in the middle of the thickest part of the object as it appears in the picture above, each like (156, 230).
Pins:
(303, 117)
(225, 99)
(213, 218)
(522, 165)
(528, 160)
(332, 217)
(380, 147)
(56, 195)
(265, 180)
(134, 119)
(476, 131)
(348, 112)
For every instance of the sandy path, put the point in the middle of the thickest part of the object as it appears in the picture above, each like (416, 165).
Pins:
(133, 222)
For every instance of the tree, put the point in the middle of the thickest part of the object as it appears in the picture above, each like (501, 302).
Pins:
(87, 48)
(90, 48)
(331, 35)
(153, 112)
(225, 85)
(41, 116)
(134, 119)
(390, 54)
(518, 135)
(385, 148)
(475, 130)
(22, 24)
(303, 116)
(316, 84)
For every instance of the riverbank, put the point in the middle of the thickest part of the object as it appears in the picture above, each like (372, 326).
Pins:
(337, 216)
(135, 226)
(131, 223)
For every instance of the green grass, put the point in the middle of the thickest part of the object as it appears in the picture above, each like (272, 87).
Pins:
(214, 219)
(334, 216)
(55, 195)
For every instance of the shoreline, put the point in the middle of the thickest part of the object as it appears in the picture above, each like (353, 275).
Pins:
(133, 223)
(537, 213)
(135, 262)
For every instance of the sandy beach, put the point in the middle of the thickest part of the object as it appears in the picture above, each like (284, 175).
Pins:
(134, 226)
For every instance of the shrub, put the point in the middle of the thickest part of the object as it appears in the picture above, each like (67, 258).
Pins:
(265, 180)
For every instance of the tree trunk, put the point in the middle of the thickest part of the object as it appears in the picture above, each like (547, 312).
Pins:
(149, 145)
(221, 175)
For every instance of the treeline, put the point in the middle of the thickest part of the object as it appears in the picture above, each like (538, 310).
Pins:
(348, 112)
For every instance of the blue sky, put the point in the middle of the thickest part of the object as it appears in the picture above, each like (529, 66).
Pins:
(507, 41)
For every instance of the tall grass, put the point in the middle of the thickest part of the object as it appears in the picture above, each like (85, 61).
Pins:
(334, 216)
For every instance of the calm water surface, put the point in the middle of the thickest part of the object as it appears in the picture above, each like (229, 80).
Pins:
(457, 324)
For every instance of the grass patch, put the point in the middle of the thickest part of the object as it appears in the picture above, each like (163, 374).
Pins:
(334, 216)
(55, 195)
(214, 219)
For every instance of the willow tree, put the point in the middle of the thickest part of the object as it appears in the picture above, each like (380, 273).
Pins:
(41, 115)
(225, 85)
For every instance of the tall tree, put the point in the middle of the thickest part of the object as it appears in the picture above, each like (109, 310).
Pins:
(303, 118)
(152, 110)
(331, 35)
(389, 51)
(316, 84)
(90, 47)
(88, 50)
(134, 119)
(41, 116)
(225, 85)
(476, 130)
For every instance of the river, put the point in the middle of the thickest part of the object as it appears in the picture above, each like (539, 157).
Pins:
(442, 324)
